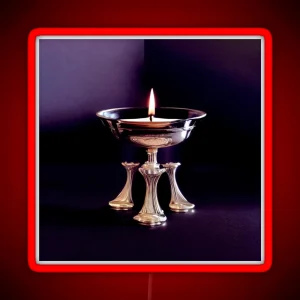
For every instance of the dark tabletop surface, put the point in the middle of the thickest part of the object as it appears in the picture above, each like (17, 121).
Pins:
(76, 223)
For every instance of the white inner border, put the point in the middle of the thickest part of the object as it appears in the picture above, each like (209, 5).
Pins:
(213, 37)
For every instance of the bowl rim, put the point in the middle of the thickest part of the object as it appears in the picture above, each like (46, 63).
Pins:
(201, 114)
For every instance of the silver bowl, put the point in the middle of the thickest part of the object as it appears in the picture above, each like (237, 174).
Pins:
(151, 135)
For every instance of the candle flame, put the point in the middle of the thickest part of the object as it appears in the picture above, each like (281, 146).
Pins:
(151, 110)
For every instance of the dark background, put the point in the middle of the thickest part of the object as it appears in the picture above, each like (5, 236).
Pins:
(80, 167)
(17, 280)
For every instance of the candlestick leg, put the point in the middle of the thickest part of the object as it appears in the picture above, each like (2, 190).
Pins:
(124, 200)
(178, 202)
(151, 213)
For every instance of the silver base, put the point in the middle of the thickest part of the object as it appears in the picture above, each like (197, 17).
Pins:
(124, 200)
(178, 202)
(151, 213)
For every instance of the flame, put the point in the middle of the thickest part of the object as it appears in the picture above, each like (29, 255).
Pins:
(151, 110)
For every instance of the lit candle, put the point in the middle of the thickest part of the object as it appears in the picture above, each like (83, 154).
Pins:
(151, 110)
(151, 114)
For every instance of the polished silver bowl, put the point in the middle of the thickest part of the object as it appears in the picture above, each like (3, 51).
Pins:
(151, 134)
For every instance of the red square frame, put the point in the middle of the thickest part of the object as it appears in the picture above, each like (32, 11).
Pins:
(266, 265)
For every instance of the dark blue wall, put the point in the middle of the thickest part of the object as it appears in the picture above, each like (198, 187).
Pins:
(77, 79)
(222, 77)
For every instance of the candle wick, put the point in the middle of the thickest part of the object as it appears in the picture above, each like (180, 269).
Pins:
(150, 118)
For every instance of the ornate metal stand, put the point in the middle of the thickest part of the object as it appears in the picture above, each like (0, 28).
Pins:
(151, 212)
(124, 199)
(132, 125)
(178, 202)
